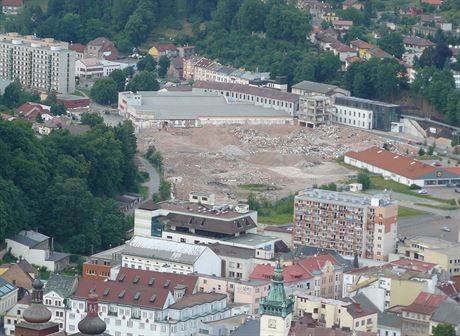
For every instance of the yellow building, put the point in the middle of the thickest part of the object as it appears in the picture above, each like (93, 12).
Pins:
(357, 314)
(433, 250)
(330, 17)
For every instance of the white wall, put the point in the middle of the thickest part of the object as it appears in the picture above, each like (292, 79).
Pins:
(353, 117)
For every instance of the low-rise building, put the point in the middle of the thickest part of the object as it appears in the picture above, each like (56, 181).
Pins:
(389, 324)
(307, 88)
(99, 266)
(361, 46)
(8, 296)
(170, 257)
(350, 223)
(35, 248)
(163, 49)
(365, 113)
(12, 7)
(330, 313)
(342, 25)
(101, 48)
(283, 232)
(32, 111)
(433, 250)
(58, 290)
(20, 274)
(146, 302)
(401, 168)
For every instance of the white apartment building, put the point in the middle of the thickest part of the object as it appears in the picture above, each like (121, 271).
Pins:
(38, 64)
(149, 303)
(160, 255)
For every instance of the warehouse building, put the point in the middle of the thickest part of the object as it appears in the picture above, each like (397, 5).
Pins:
(193, 109)
(401, 168)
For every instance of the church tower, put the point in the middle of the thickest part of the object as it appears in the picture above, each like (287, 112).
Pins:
(276, 308)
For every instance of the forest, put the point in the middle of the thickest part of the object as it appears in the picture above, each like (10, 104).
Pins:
(62, 184)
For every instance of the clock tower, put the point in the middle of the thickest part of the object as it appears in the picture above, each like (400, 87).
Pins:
(276, 308)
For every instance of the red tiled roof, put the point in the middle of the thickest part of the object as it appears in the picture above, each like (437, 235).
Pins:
(162, 47)
(12, 3)
(418, 41)
(380, 53)
(302, 270)
(131, 282)
(352, 59)
(78, 47)
(30, 111)
(340, 47)
(392, 162)
(414, 265)
(433, 2)
(426, 303)
(451, 288)
(361, 44)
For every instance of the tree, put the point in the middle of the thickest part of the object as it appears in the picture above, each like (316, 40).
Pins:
(91, 119)
(143, 81)
(14, 95)
(392, 43)
(147, 63)
(120, 79)
(128, 72)
(364, 179)
(164, 63)
(225, 12)
(164, 192)
(444, 329)
(58, 109)
(251, 15)
(104, 91)
(421, 151)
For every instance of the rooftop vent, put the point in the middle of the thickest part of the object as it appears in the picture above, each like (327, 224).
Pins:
(136, 279)
(151, 281)
(122, 294)
(106, 292)
(153, 298)
(122, 277)
(137, 296)
(166, 284)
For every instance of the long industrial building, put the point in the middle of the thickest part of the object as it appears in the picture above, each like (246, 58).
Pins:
(39, 64)
(401, 168)
(349, 223)
(193, 109)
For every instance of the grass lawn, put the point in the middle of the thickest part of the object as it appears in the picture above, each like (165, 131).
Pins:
(410, 212)
(254, 186)
(440, 207)
(276, 219)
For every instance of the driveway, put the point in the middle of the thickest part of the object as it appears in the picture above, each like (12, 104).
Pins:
(153, 183)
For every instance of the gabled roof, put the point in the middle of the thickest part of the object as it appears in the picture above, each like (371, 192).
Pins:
(392, 162)
(340, 47)
(90, 62)
(315, 87)
(361, 44)
(12, 3)
(137, 287)
(377, 52)
(425, 303)
(447, 312)
(30, 110)
(26, 266)
(451, 288)
(29, 238)
(414, 265)
(197, 299)
(418, 41)
(100, 41)
(64, 285)
(77, 47)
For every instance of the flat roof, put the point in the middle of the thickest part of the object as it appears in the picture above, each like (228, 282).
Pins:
(251, 239)
(367, 101)
(342, 197)
(107, 254)
(195, 105)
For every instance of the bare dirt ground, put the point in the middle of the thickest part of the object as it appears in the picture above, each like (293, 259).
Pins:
(284, 159)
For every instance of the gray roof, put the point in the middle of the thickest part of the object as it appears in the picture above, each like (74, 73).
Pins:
(447, 312)
(232, 251)
(29, 238)
(56, 256)
(364, 301)
(64, 285)
(390, 320)
(163, 249)
(250, 327)
(315, 87)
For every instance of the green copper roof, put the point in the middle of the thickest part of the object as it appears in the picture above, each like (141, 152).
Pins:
(276, 303)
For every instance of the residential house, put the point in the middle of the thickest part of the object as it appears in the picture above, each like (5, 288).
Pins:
(342, 25)
(99, 265)
(307, 88)
(451, 288)
(163, 49)
(101, 48)
(315, 275)
(35, 248)
(361, 46)
(89, 68)
(12, 7)
(8, 296)
(410, 10)
(79, 50)
(330, 16)
(149, 253)
(176, 68)
(332, 313)
(244, 292)
(389, 324)
(18, 275)
(147, 302)
(415, 46)
(343, 52)
(352, 4)
(389, 285)
(60, 122)
(58, 290)
(186, 51)
(32, 111)
(324, 39)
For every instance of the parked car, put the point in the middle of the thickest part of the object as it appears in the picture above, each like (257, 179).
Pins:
(447, 217)
(445, 229)
(457, 190)
(422, 191)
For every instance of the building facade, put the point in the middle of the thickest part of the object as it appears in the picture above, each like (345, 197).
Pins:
(314, 111)
(38, 64)
(346, 222)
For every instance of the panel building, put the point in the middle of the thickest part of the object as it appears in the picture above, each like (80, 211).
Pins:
(348, 223)
(365, 113)
(38, 64)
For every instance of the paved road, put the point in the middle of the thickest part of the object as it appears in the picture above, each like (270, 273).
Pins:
(154, 181)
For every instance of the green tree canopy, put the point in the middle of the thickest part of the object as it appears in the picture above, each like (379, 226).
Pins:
(104, 91)
(143, 81)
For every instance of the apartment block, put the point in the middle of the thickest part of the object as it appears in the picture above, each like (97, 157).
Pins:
(314, 110)
(349, 223)
(38, 64)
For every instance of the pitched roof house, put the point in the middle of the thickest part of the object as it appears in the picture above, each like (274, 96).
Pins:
(12, 7)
